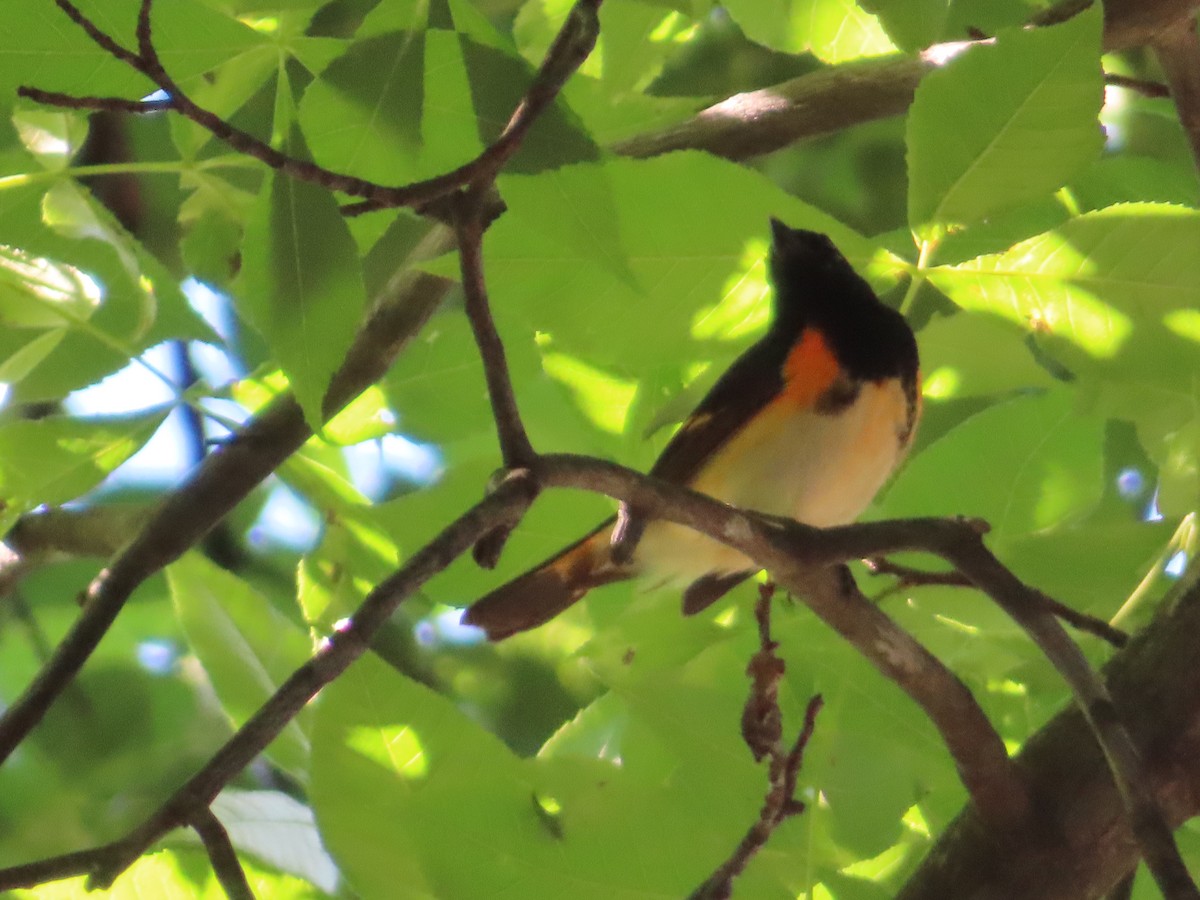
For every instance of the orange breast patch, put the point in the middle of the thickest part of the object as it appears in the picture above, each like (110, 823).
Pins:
(809, 370)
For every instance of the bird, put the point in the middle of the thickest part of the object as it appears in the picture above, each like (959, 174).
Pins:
(809, 423)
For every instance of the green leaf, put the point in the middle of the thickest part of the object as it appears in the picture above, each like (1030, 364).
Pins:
(179, 872)
(301, 285)
(1103, 283)
(832, 30)
(912, 25)
(398, 15)
(1065, 564)
(450, 135)
(971, 355)
(634, 42)
(69, 324)
(389, 745)
(647, 263)
(40, 46)
(247, 647)
(1037, 128)
(1023, 466)
(363, 115)
(443, 362)
(365, 418)
(335, 578)
(1130, 179)
(56, 459)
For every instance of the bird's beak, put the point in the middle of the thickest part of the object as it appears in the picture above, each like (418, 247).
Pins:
(779, 231)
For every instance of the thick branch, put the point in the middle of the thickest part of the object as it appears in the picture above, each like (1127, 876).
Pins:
(801, 566)
(795, 555)
(839, 97)
(1178, 52)
(1084, 846)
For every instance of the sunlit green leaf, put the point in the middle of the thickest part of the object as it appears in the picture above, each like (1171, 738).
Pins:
(301, 285)
(912, 26)
(56, 459)
(1024, 466)
(970, 355)
(177, 873)
(247, 647)
(833, 30)
(1037, 129)
(1103, 283)
(275, 828)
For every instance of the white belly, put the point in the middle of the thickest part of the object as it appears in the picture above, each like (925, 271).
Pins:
(819, 469)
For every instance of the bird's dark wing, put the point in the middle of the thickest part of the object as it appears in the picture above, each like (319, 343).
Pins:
(752, 382)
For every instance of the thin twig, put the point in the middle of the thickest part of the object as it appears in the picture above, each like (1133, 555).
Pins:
(779, 805)
(573, 44)
(515, 448)
(908, 577)
(762, 719)
(97, 34)
(1143, 86)
(108, 104)
(470, 214)
(225, 863)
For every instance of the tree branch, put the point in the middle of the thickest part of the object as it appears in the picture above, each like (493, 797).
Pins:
(795, 554)
(85, 102)
(838, 97)
(907, 577)
(224, 859)
(572, 45)
(515, 449)
(1178, 51)
(791, 549)
(1082, 845)
(762, 728)
(229, 475)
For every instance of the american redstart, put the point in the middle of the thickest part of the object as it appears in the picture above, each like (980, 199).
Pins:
(808, 423)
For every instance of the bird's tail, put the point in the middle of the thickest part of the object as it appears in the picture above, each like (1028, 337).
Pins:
(546, 590)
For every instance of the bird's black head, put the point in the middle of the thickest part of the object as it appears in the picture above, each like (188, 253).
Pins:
(812, 277)
(815, 284)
